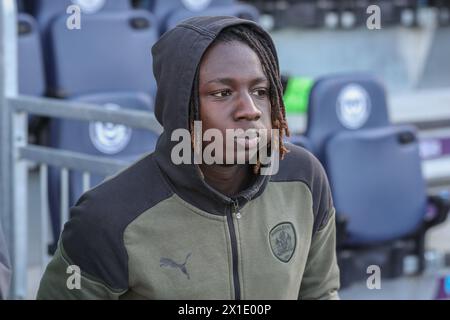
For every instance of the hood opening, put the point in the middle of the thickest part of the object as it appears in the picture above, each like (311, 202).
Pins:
(176, 60)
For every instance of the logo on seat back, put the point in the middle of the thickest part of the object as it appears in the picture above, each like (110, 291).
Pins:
(109, 138)
(283, 241)
(90, 6)
(353, 106)
(196, 5)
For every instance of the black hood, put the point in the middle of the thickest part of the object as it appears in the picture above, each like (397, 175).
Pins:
(176, 57)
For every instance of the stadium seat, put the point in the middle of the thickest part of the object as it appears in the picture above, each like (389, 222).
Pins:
(376, 176)
(31, 69)
(374, 168)
(46, 11)
(353, 13)
(98, 139)
(408, 12)
(443, 11)
(390, 13)
(107, 62)
(111, 52)
(170, 12)
(356, 99)
(305, 14)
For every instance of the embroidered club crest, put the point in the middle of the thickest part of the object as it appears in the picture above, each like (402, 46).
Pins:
(283, 241)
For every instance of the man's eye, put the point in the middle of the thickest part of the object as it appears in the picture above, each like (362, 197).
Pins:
(222, 93)
(260, 92)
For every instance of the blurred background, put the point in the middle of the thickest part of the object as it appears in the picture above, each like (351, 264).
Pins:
(366, 88)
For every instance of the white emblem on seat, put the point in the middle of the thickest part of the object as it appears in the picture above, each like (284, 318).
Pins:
(109, 138)
(89, 6)
(353, 106)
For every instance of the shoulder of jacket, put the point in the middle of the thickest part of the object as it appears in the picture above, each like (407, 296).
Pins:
(302, 166)
(93, 237)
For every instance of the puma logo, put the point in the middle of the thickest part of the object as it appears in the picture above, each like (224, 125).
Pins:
(169, 263)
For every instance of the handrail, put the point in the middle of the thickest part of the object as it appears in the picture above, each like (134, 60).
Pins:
(84, 111)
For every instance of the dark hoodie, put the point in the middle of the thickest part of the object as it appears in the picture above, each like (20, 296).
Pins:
(158, 231)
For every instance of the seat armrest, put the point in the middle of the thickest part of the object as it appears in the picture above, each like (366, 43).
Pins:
(441, 210)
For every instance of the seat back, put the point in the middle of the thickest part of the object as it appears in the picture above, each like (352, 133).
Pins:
(98, 139)
(30, 59)
(344, 102)
(46, 11)
(112, 52)
(377, 182)
(170, 12)
(305, 14)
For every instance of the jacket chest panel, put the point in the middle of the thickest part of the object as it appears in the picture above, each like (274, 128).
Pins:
(274, 239)
(177, 254)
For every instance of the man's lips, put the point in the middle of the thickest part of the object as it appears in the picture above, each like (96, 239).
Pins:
(248, 143)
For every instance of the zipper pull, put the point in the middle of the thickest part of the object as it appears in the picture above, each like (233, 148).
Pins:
(236, 209)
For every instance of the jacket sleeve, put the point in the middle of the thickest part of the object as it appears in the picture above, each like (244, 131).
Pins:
(5, 271)
(321, 276)
(90, 262)
(65, 280)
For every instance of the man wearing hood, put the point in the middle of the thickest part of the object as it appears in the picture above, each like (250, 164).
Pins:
(164, 229)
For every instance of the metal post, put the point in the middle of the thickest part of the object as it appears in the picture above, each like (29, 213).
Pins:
(5, 141)
(13, 171)
(43, 179)
(5, 187)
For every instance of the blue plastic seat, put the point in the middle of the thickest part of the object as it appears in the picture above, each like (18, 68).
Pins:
(98, 139)
(46, 11)
(377, 183)
(112, 52)
(31, 68)
(107, 62)
(375, 174)
(170, 12)
(343, 102)
(304, 14)
(31, 72)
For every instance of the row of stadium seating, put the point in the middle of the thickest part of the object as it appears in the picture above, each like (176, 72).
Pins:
(348, 13)
(380, 195)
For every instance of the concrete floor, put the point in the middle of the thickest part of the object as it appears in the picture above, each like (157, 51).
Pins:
(422, 287)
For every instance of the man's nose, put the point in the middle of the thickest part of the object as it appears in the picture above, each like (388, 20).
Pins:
(246, 109)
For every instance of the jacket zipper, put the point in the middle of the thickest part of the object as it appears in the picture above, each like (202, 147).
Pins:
(234, 249)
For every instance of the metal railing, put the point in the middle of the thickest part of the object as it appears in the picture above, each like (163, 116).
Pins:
(16, 153)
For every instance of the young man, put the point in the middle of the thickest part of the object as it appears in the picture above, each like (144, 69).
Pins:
(168, 230)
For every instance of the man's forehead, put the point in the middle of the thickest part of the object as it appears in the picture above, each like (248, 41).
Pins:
(231, 60)
(240, 78)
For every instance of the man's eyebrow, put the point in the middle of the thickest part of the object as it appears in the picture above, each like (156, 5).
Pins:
(229, 81)
(259, 80)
